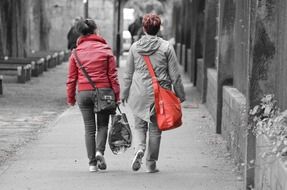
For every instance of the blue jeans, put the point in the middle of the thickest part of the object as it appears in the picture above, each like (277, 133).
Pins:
(141, 128)
(95, 132)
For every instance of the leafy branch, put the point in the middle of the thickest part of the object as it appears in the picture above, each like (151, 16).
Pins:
(270, 122)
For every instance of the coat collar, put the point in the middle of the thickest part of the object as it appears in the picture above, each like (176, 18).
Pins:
(91, 37)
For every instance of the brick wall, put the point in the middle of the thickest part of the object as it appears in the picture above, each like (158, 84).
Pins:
(211, 97)
(234, 123)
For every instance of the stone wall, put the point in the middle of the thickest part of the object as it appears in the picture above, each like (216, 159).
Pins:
(61, 13)
(33, 25)
(250, 55)
(103, 13)
(269, 77)
(269, 57)
(271, 171)
(234, 123)
(211, 97)
(38, 26)
(200, 77)
(13, 27)
(167, 20)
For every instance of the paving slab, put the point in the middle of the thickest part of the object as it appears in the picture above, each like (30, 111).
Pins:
(191, 157)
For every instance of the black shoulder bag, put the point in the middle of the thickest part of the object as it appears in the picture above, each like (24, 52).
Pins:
(104, 98)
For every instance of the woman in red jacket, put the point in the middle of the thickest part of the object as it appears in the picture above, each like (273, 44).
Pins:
(98, 60)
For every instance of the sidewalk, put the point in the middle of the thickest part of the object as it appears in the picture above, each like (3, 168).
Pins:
(191, 157)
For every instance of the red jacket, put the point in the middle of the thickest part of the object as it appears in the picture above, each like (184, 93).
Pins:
(97, 58)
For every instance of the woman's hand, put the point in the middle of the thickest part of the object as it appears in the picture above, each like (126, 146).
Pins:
(182, 100)
(71, 104)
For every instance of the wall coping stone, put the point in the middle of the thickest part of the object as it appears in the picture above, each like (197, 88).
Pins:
(212, 74)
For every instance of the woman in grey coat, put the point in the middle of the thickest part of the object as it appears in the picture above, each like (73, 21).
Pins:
(138, 90)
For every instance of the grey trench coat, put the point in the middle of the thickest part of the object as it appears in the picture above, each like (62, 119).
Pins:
(137, 84)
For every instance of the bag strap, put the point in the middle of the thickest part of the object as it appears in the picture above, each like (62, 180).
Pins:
(152, 73)
(83, 69)
(119, 109)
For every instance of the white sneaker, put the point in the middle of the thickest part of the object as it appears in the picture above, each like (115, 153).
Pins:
(101, 161)
(137, 161)
(93, 168)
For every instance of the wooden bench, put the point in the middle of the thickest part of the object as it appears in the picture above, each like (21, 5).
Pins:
(67, 54)
(37, 64)
(62, 56)
(48, 62)
(58, 55)
(23, 72)
(54, 57)
(44, 59)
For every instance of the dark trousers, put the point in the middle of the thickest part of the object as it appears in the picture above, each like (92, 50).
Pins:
(95, 132)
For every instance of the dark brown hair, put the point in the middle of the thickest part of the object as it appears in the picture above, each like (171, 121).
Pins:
(86, 26)
(151, 23)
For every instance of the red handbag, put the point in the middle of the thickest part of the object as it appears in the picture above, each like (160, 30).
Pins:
(167, 105)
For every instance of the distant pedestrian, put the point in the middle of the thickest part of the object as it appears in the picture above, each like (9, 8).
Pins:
(138, 89)
(97, 58)
(73, 34)
(135, 29)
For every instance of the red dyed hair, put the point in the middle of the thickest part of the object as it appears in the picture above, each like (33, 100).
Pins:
(151, 23)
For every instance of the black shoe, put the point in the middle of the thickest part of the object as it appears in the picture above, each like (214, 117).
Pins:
(101, 161)
(152, 171)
